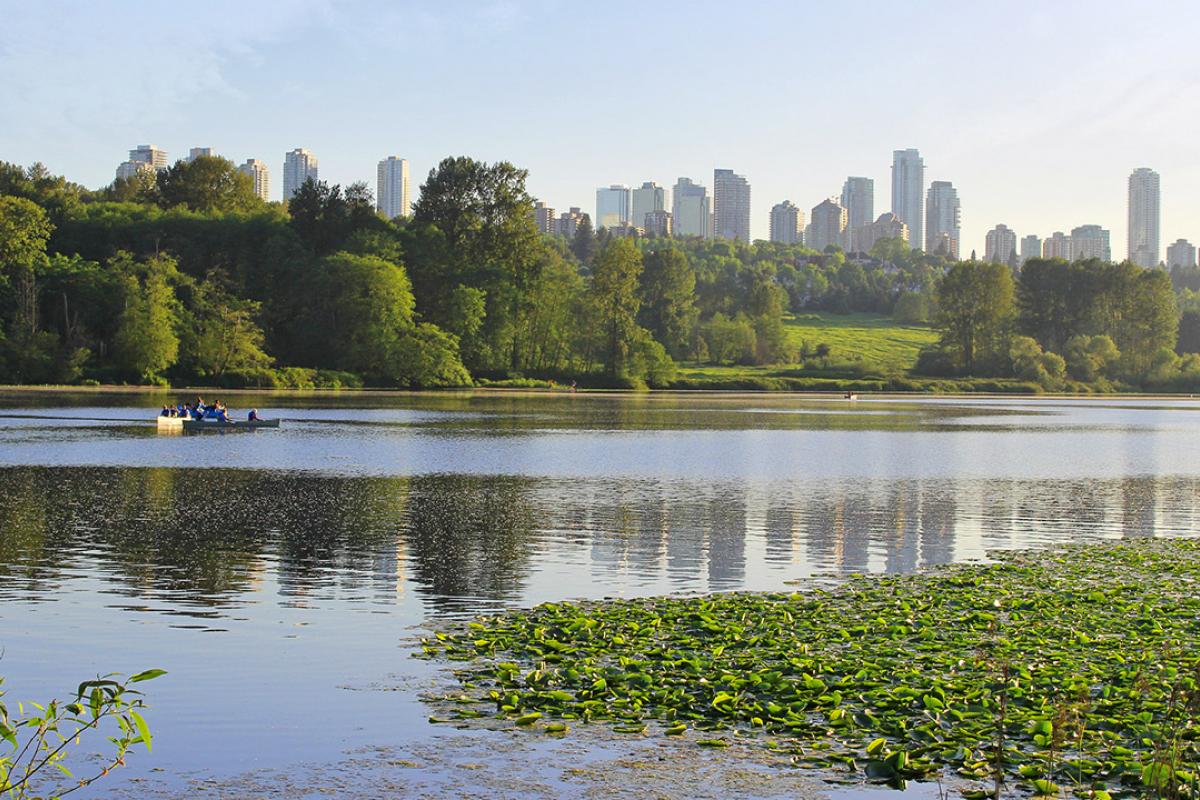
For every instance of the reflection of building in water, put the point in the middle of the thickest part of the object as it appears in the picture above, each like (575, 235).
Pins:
(390, 569)
(783, 533)
(1177, 507)
(937, 525)
(629, 525)
(1138, 515)
(467, 541)
(685, 543)
(726, 529)
(833, 543)
(877, 525)
(471, 537)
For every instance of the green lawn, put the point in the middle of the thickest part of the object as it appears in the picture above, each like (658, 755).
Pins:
(872, 337)
(880, 343)
(867, 352)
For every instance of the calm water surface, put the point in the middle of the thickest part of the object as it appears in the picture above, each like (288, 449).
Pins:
(281, 576)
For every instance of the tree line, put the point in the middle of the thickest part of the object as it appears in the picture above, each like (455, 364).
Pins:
(1061, 324)
(185, 275)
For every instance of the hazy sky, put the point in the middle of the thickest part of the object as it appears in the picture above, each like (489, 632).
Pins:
(1036, 111)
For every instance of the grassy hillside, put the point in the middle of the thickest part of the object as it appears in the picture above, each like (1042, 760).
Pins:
(867, 353)
(872, 337)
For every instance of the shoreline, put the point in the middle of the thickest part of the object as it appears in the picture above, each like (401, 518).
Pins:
(503, 391)
(835, 394)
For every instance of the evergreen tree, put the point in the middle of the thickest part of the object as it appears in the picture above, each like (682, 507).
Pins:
(584, 244)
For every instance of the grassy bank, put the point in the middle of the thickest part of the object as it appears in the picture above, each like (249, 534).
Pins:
(1073, 670)
(867, 353)
(871, 337)
(791, 379)
(862, 353)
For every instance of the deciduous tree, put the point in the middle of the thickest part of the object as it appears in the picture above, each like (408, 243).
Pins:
(615, 295)
(975, 313)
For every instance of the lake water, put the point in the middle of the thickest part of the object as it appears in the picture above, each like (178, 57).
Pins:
(281, 576)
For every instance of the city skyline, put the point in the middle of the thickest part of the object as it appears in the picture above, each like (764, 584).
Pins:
(626, 208)
(253, 90)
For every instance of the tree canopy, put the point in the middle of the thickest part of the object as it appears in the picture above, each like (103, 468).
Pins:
(185, 275)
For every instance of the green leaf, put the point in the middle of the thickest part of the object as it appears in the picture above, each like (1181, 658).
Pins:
(1157, 775)
(143, 729)
(147, 675)
(1045, 788)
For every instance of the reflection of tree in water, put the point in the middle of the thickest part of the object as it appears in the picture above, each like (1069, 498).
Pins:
(197, 536)
(27, 548)
(144, 527)
(205, 537)
(335, 534)
(470, 536)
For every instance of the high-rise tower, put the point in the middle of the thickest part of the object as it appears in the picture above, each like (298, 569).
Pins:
(787, 222)
(908, 192)
(392, 194)
(258, 172)
(858, 198)
(942, 220)
(298, 166)
(612, 206)
(731, 200)
(691, 209)
(646, 200)
(1143, 217)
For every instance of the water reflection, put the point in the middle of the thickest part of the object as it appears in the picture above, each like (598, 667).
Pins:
(463, 543)
(304, 571)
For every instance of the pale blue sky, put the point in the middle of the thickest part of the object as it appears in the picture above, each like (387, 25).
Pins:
(1036, 111)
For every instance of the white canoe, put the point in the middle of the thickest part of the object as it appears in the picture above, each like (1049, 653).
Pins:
(190, 425)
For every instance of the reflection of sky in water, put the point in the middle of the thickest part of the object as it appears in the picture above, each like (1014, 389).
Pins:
(303, 573)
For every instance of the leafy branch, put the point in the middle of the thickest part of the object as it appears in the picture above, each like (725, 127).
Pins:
(38, 741)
